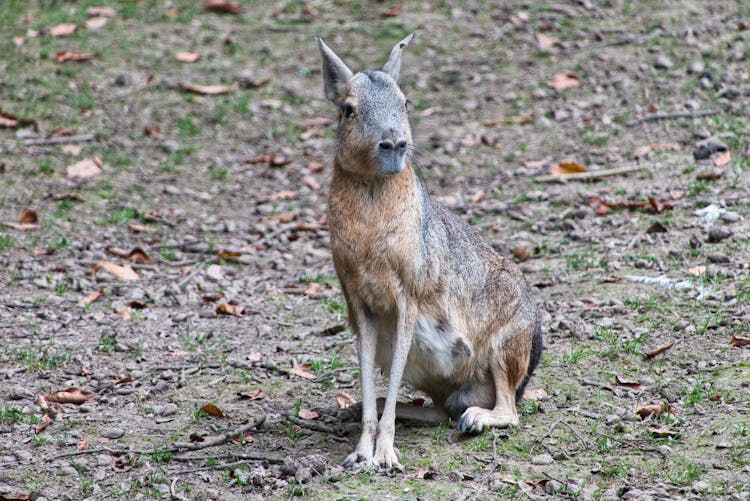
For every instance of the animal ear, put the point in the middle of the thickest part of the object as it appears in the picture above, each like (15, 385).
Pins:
(335, 73)
(393, 65)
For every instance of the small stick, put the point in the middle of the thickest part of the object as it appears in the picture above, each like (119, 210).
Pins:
(671, 116)
(589, 175)
(60, 140)
(222, 466)
(221, 439)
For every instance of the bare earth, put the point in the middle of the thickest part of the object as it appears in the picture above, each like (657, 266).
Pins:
(220, 199)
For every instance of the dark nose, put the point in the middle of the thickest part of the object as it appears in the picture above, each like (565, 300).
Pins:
(388, 145)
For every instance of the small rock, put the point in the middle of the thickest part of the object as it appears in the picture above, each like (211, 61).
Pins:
(303, 475)
(121, 80)
(694, 68)
(215, 272)
(169, 409)
(707, 147)
(718, 233)
(701, 486)
(542, 459)
(113, 433)
(729, 217)
(20, 393)
(334, 473)
(170, 146)
(663, 62)
(69, 470)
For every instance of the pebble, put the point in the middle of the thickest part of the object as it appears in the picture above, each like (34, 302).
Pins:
(169, 409)
(694, 68)
(68, 470)
(707, 147)
(113, 433)
(718, 233)
(542, 459)
(334, 473)
(663, 62)
(20, 393)
(303, 475)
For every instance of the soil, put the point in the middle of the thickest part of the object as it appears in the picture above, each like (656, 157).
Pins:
(220, 199)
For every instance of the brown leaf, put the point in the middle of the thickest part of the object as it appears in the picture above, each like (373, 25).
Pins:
(63, 29)
(82, 445)
(251, 395)
(71, 396)
(122, 272)
(521, 252)
(72, 149)
(85, 168)
(138, 255)
(315, 167)
(739, 341)
(314, 289)
(301, 371)
(308, 414)
(311, 183)
(187, 57)
(212, 410)
(96, 23)
(139, 228)
(562, 81)
(22, 226)
(344, 400)
(723, 159)
(478, 197)
(393, 11)
(663, 432)
(91, 298)
(564, 168)
(205, 89)
(628, 383)
(124, 312)
(28, 216)
(697, 271)
(660, 204)
(8, 120)
(286, 217)
(283, 195)
(222, 6)
(535, 394)
(45, 422)
(47, 251)
(254, 357)
(63, 56)
(101, 11)
(230, 309)
(227, 255)
(194, 437)
(645, 411)
(546, 41)
(658, 350)
(150, 130)
(14, 497)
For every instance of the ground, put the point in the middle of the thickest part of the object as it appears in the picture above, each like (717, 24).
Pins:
(221, 198)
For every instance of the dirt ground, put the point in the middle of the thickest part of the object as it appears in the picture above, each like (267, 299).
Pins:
(223, 369)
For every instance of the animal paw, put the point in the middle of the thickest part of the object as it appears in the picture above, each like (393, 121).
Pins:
(387, 456)
(358, 460)
(476, 419)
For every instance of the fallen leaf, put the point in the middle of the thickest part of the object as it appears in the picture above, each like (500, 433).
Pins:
(478, 197)
(222, 6)
(723, 159)
(101, 11)
(314, 289)
(96, 23)
(393, 11)
(562, 81)
(315, 167)
(663, 432)
(122, 272)
(227, 255)
(697, 271)
(344, 400)
(28, 216)
(45, 422)
(47, 251)
(311, 183)
(82, 445)
(535, 394)
(301, 371)
(139, 228)
(739, 341)
(564, 168)
(72, 149)
(656, 227)
(251, 395)
(71, 396)
(283, 195)
(63, 56)
(425, 473)
(63, 29)
(286, 217)
(22, 226)
(124, 312)
(9, 120)
(212, 410)
(187, 57)
(546, 41)
(645, 411)
(628, 383)
(308, 414)
(205, 89)
(91, 298)
(521, 252)
(194, 437)
(254, 357)
(660, 204)
(230, 309)
(85, 168)
(150, 130)
(658, 350)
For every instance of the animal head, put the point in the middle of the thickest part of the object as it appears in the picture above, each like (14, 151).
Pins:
(373, 133)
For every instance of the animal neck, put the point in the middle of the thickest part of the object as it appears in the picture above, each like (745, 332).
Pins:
(375, 187)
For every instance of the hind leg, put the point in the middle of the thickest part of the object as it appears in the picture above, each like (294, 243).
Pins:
(476, 419)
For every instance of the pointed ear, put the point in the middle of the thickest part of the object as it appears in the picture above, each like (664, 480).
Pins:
(393, 65)
(335, 73)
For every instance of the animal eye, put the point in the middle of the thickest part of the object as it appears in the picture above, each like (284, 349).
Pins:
(348, 110)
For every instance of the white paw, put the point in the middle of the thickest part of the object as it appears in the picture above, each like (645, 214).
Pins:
(477, 419)
(357, 460)
(387, 456)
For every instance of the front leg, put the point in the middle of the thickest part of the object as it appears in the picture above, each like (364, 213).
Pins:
(385, 453)
(364, 326)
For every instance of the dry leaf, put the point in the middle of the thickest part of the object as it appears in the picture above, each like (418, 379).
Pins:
(28, 216)
(658, 350)
(230, 309)
(535, 394)
(251, 395)
(697, 271)
(546, 41)
(10, 120)
(71, 396)
(393, 11)
(101, 11)
(222, 6)
(150, 130)
(723, 159)
(212, 410)
(645, 411)
(564, 168)
(521, 252)
(22, 226)
(739, 341)
(139, 228)
(47, 251)
(63, 29)
(205, 89)
(628, 383)
(311, 183)
(45, 422)
(283, 195)
(315, 167)
(122, 272)
(344, 400)
(562, 81)
(82, 445)
(478, 197)
(97, 22)
(662, 432)
(85, 168)
(124, 312)
(187, 57)
(301, 371)
(64, 55)
(91, 298)
(72, 149)
(314, 289)
(254, 357)
(308, 414)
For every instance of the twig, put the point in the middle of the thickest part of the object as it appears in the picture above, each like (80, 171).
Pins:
(312, 425)
(221, 439)
(249, 457)
(173, 491)
(671, 116)
(88, 451)
(590, 175)
(222, 466)
(61, 139)
(546, 434)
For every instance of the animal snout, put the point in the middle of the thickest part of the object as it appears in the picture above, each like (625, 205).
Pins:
(388, 145)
